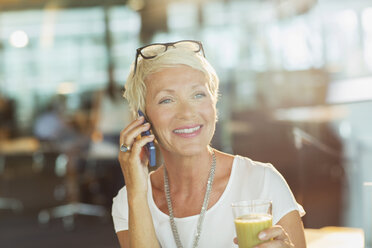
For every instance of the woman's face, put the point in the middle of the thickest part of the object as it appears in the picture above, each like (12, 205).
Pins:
(181, 109)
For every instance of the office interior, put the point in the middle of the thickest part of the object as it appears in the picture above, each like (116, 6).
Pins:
(295, 85)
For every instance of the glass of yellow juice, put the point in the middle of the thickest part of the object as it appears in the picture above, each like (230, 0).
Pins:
(251, 217)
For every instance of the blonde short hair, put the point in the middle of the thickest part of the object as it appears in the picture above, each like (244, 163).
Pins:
(135, 87)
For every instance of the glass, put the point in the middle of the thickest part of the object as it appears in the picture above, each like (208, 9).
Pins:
(250, 218)
(152, 50)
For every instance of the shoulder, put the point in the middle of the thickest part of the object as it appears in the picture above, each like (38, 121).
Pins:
(119, 202)
(236, 166)
(224, 158)
(248, 164)
(249, 169)
(119, 211)
(122, 192)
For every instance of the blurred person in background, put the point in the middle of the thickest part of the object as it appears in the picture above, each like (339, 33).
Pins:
(49, 125)
(59, 132)
(186, 201)
(110, 112)
(7, 118)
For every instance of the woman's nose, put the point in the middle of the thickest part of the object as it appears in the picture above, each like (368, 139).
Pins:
(185, 110)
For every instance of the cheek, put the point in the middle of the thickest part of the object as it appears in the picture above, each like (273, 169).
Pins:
(210, 111)
(159, 120)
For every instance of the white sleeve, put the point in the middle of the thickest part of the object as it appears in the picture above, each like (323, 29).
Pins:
(277, 189)
(119, 210)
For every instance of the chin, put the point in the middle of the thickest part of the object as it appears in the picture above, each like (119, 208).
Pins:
(187, 148)
(192, 150)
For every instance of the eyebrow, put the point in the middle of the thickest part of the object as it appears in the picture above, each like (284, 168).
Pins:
(195, 86)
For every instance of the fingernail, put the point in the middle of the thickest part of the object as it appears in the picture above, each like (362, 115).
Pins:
(262, 235)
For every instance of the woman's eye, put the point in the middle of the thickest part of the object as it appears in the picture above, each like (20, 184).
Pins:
(165, 101)
(200, 95)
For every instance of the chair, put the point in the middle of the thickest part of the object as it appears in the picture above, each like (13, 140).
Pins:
(65, 165)
(8, 203)
(14, 148)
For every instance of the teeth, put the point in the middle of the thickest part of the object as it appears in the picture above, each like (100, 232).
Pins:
(187, 130)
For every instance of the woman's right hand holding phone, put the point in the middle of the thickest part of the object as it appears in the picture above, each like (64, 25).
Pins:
(133, 162)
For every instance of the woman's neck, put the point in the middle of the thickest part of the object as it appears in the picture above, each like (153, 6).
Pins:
(186, 171)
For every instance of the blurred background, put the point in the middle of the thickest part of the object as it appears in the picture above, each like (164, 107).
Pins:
(296, 91)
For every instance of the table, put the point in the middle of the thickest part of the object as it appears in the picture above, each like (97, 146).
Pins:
(334, 237)
(15, 147)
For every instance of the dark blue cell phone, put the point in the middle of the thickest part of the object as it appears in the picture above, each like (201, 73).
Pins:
(150, 146)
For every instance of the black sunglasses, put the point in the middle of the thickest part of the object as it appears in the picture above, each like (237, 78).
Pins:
(152, 50)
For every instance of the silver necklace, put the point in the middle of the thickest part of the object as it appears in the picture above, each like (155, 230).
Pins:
(203, 209)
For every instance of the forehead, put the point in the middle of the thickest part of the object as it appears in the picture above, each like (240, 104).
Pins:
(173, 76)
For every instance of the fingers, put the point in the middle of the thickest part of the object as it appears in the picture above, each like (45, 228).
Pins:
(277, 235)
(129, 134)
(130, 137)
(276, 232)
(134, 124)
(138, 144)
(275, 244)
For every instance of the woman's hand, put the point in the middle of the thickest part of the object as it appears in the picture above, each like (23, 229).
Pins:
(275, 237)
(134, 162)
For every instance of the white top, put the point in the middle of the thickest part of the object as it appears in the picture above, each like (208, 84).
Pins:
(249, 180)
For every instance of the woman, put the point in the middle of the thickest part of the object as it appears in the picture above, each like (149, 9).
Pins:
(186, 202)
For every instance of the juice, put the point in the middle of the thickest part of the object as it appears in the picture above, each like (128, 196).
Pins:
(249, 226)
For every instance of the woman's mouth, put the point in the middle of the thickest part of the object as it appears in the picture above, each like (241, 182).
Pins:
(186, 131)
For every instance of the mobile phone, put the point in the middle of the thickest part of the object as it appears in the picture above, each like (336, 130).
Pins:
(150, 146)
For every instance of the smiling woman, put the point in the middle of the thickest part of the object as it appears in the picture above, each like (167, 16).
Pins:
(183, 114)
(186, 201)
